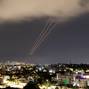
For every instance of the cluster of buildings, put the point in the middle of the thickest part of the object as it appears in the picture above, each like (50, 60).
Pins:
(17, 75)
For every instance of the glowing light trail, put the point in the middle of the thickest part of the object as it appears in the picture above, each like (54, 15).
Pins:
(40, 36)
(43, 35)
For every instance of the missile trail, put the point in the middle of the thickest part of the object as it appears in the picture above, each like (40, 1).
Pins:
(40, 39)
(43, 35)
(40, 36)
(44, 31)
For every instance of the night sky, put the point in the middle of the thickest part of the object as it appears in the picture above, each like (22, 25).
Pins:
(68, 42)
(22, 21)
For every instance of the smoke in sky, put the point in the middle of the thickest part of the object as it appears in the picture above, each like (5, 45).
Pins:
(24, 9)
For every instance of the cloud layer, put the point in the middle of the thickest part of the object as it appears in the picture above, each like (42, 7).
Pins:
(23, 9)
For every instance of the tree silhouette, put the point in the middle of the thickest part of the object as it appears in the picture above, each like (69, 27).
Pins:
(31, 85)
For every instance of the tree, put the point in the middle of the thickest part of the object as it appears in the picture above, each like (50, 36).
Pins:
(31, 85)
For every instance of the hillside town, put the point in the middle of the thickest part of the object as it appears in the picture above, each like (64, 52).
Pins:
(53, 76)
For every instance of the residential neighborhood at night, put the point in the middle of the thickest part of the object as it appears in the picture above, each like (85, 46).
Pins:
(61, 76)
